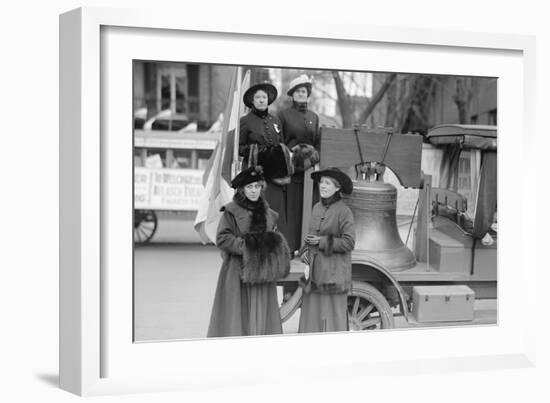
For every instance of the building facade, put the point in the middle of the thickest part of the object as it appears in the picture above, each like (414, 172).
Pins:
(198, 91)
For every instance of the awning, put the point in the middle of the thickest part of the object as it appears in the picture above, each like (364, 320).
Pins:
(479, 137)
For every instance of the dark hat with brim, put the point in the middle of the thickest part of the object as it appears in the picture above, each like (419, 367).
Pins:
(346, 185)
(269, 89)
(249, 175)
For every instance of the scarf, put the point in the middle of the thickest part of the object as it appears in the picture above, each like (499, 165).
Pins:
(300, 106)
(261, 114)
(258, 209)
(331, 200)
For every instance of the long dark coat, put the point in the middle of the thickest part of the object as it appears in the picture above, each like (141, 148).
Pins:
(266, 132)
(242, 309)
(324, 307)
(299, 127)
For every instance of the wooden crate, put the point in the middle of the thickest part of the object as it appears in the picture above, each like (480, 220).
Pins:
(443, 303)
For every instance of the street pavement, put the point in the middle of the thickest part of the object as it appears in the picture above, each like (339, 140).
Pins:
(174, 291)
(175, 278)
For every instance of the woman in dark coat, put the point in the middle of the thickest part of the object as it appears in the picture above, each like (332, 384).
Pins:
(261, 143)
(301, 135)
(255, 255)
(330, 240)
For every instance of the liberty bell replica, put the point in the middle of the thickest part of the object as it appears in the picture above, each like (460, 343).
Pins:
(373, 201)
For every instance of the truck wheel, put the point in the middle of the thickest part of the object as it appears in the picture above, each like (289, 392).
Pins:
(368, 309)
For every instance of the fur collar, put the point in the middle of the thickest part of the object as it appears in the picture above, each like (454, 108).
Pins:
(259, 113)
(299, 106)
(258, 209)
(331, 200)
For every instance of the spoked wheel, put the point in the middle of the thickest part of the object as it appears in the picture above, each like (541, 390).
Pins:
(368, 309)
(145, 225)
(290, 305)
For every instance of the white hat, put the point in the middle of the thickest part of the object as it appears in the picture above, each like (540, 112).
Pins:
(302, 80)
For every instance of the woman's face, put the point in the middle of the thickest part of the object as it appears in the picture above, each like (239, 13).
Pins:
(300, 94)
(260, 100)
(253, 190)
(327, 187)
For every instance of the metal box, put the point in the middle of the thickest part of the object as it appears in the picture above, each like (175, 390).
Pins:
(443, 303)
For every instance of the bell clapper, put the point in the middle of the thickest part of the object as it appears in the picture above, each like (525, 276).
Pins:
(370, 171)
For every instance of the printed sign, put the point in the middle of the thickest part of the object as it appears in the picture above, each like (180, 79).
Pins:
(167, 189)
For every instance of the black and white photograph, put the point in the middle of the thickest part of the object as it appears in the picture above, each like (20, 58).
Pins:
(243, 201)
(271, 200)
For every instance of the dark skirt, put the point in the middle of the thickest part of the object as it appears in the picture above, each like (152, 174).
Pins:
(275, 195)
(322, 312)
(294, 209)
(243, 309)
(261, 309)
(288, 201)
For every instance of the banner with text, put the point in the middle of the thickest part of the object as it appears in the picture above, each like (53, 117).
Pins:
(167, 189)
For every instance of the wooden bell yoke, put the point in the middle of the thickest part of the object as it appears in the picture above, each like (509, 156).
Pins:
(373, 202)
(346, 148)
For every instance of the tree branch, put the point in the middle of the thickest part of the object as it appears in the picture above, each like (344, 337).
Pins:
(343, 99)
(379, 95)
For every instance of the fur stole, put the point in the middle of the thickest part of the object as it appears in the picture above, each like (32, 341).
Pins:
(258, 223)
(266, 257)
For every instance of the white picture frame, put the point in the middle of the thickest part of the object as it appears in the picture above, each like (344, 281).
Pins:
(97, 355)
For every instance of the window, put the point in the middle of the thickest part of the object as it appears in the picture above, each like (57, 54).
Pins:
(259, 75)
(172, 89)
(193, 85)
(182, 159)
(203, 156)
(139, 157)
(165, 92)
(169, 124)
(180, 94)
(155, 159)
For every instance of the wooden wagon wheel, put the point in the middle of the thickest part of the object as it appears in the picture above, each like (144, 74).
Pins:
(145, 225)
(290, 306)
(368, 309)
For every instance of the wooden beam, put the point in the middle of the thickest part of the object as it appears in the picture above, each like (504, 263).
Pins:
(421, 235)
(402, 153)
(308, 200)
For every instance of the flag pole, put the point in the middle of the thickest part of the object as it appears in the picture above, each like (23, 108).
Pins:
(235, 164)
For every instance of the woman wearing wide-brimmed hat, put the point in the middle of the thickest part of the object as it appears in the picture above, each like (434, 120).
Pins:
(261, 142)
(301, 135)
(255, 255)
(329, 243)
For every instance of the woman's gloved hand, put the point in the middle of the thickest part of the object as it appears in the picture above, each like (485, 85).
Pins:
(312, 239)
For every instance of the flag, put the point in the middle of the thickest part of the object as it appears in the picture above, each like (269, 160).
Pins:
(222, 163)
